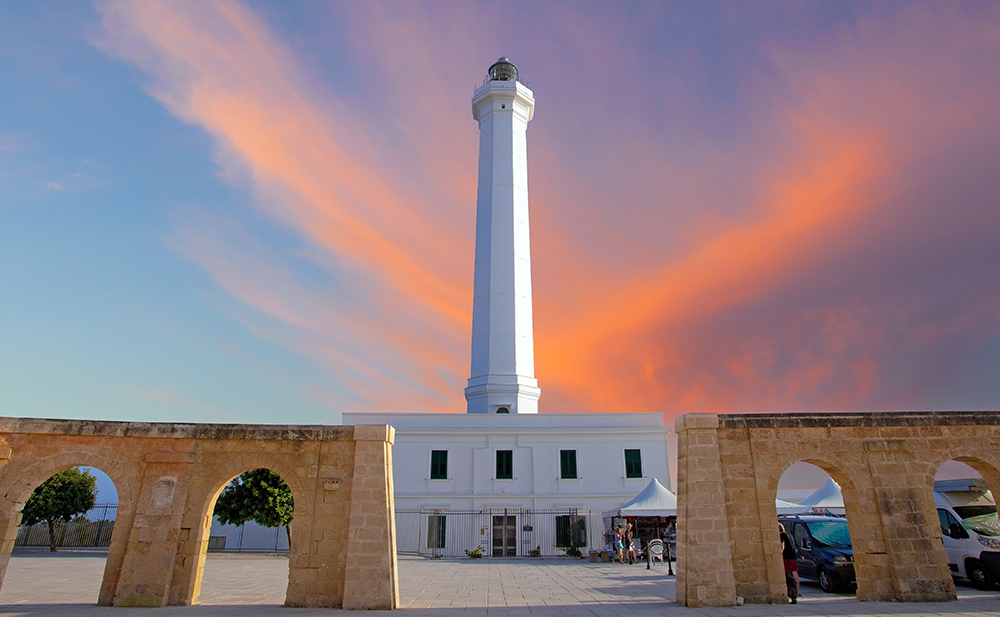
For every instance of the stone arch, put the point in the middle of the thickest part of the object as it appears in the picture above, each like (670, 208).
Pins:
(833, 469)
(204, 493)
(852, 506)
(990, 471)
(22, 476)
(990, 474)
(30, 474)
(852, 512)
(224, 476)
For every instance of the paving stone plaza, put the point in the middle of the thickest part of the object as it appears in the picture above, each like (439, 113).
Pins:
(66, 584)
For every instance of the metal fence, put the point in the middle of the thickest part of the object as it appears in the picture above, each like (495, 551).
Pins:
(89, 530)
(250, 537)
(503, 532)
(94, 528)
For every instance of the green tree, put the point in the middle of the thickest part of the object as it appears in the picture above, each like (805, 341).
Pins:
(257, 495)
(61, 497)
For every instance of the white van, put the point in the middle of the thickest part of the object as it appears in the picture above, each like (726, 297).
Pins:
(971, 530)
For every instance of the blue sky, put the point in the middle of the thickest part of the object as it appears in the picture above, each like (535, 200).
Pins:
(264, 212)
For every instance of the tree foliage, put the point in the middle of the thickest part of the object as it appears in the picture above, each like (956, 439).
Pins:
(257, 495)
(61, 497)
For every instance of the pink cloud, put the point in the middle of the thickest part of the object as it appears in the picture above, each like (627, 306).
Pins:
(822, 244)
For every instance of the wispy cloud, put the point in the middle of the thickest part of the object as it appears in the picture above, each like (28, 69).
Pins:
(819, 238)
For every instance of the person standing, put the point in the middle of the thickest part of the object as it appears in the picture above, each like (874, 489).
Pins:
(791, 564)
(630, 544)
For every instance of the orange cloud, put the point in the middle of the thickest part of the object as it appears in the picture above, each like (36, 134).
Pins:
(676, 267)
(740, 264)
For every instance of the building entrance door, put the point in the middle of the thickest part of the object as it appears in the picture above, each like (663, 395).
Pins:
(504, 535)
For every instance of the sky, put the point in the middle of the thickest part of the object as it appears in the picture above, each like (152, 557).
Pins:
(264, 212)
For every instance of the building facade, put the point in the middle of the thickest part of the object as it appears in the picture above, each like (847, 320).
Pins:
(476, 471)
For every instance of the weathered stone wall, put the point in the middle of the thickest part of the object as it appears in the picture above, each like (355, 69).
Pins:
(168, 477)
(728, 472)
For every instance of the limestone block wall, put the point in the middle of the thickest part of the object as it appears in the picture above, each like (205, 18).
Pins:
(885, 464)
(169, 476)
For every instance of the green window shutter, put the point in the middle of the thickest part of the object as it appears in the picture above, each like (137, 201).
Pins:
(633, 463)
(439, 464)
(505, 464)
(567, 464)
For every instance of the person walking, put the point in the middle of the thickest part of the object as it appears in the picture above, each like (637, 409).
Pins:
(630, 545)
(620, 544)
(791, 564)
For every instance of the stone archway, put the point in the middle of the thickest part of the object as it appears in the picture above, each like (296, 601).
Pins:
(26, 474)
(729, 466)
(169, 476)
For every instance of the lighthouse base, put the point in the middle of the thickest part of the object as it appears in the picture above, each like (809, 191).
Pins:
(502, 394)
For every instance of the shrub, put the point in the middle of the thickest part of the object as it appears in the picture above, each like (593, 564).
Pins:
(475, 553)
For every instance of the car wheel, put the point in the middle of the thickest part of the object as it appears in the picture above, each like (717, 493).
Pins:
(977, 575)
(825, 582)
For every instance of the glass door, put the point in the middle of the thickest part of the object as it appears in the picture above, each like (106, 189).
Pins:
(504, 535)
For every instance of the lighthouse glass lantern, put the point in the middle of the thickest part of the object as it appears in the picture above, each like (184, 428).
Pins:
(503, 70)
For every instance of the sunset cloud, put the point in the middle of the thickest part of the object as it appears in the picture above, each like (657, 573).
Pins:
(816, 231)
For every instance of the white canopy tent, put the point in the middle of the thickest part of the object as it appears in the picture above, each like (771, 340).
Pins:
(826, 497)
(787, 507)
(656, 500)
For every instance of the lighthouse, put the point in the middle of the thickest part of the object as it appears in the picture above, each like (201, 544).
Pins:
(502, 379)
(503, 463)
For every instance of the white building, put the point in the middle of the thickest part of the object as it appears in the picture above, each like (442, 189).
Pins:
(503, 476)
(461, 477)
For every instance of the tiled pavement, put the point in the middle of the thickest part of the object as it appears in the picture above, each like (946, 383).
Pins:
(66, 584)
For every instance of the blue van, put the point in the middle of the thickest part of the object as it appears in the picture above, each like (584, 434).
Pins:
(823, 549)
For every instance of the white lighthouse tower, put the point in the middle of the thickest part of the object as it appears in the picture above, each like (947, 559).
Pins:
(503, 355)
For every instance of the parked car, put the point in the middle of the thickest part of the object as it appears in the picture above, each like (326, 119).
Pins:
(823, 549)
(970, 530)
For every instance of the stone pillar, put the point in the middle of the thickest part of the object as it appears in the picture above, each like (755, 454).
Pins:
(148, 565)
(704, 552)
(116, 551)
(10, 518)
(917, 563)
(317, 556)
(753, 518)
(371, 580)
(185, 584)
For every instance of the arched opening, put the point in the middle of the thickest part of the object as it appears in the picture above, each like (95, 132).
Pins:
(61, 549)
(812, 510)
(970, 530)
(252, 522)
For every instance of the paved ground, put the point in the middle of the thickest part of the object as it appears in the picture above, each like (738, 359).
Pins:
(66, 584)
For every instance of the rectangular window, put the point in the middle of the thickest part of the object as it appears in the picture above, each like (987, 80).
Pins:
(567, 464)
(505, 464)
(439, 464)
(435, 531)
(571, 526)
(633, 463)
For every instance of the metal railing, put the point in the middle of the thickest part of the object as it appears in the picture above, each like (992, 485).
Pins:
(92, 529)
(249, 537)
